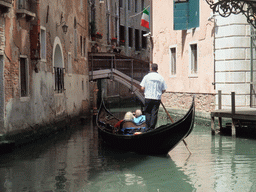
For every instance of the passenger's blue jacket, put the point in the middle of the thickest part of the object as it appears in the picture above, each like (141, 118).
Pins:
(139, 120)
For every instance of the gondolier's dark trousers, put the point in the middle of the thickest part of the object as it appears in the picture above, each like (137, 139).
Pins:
(151, 112)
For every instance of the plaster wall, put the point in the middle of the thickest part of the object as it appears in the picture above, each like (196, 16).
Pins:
(183, 84)
(43, 104)
(232, 61)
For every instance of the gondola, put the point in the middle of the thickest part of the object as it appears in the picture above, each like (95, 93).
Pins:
(154, 142)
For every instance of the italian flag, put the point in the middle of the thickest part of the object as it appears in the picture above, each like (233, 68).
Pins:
(145, 19)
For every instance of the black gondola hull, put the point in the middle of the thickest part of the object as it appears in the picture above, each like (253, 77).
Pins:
(158, 141)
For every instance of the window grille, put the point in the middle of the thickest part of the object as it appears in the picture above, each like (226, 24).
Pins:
(193, 58)
(173, 61)
(59, 79)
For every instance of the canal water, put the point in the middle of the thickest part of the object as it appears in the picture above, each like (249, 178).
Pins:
(76, 161)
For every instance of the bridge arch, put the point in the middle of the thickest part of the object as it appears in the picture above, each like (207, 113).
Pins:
(121, 78)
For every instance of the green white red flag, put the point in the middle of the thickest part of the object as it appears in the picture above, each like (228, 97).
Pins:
(145, 19)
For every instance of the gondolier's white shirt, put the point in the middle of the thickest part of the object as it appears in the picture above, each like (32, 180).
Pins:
(154, 85)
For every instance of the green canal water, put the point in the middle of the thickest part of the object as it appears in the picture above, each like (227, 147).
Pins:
(78, 161)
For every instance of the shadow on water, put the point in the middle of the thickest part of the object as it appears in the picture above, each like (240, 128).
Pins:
(128, 171)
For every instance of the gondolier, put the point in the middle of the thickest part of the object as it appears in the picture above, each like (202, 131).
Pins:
(154, 86)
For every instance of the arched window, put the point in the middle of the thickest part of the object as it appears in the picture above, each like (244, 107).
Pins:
(58, 65)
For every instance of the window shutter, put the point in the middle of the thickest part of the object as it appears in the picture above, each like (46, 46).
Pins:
(180, 15)
(193, 17)
(186, 14)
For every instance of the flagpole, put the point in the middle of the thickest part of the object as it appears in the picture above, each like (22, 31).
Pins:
(151, 29)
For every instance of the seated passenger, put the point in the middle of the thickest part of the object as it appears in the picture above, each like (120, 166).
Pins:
(127, 117)
(139, 118)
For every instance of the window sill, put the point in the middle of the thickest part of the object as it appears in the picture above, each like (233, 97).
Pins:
(59, 94)
(193, 76)
(24, 98)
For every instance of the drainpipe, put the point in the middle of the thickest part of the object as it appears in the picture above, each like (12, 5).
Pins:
(214, 60)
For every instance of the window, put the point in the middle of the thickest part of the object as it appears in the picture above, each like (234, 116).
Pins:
(81, 5)
(130, 37)
(81, 45)
(136, 6)
(23, 4)
(59, 79)
(23, 77)
(144, 40)
(69, 63)
(142, 5)
(43, 44)
(137, 40)
(84, 47)
(122, 35)
(193, 59)
(173, 61)
(120, 3)
(75, 43)
(129, 4)
(186, 14)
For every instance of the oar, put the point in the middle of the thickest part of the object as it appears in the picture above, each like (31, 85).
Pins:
(173, 122)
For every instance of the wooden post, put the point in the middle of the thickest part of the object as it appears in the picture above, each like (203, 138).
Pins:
(233, 103)
(219, 99)
(219, 106)
(212, 125)
(233, 111)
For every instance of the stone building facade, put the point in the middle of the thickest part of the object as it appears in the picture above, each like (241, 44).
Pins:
(118, 22)
(225, 56)
(233, 60)
(116, 29)
(185, 55)
(43, 63)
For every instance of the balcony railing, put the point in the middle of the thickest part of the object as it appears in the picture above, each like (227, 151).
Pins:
(6, 1)
(5, 5)
(24, 9)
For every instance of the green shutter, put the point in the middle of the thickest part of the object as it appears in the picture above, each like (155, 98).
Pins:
(180, 15)
(186, 14)
(193, 16)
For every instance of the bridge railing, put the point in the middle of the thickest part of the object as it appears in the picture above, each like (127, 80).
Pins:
(131, 67)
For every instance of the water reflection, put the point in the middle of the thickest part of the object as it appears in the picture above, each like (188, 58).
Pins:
(55, 164)
(78, 161)
(125, 171)
(223, 164)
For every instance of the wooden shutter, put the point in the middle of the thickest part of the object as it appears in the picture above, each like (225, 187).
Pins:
(193, 16)
(180, 15)
(186, 14)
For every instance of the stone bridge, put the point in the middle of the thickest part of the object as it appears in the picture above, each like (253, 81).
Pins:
(127, 71)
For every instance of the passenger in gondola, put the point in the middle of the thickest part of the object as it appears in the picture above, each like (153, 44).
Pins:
(127, 117)
(127, 126)
(138, 117)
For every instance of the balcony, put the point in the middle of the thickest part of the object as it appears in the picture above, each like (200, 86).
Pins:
(24, 10)
(5, 5)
